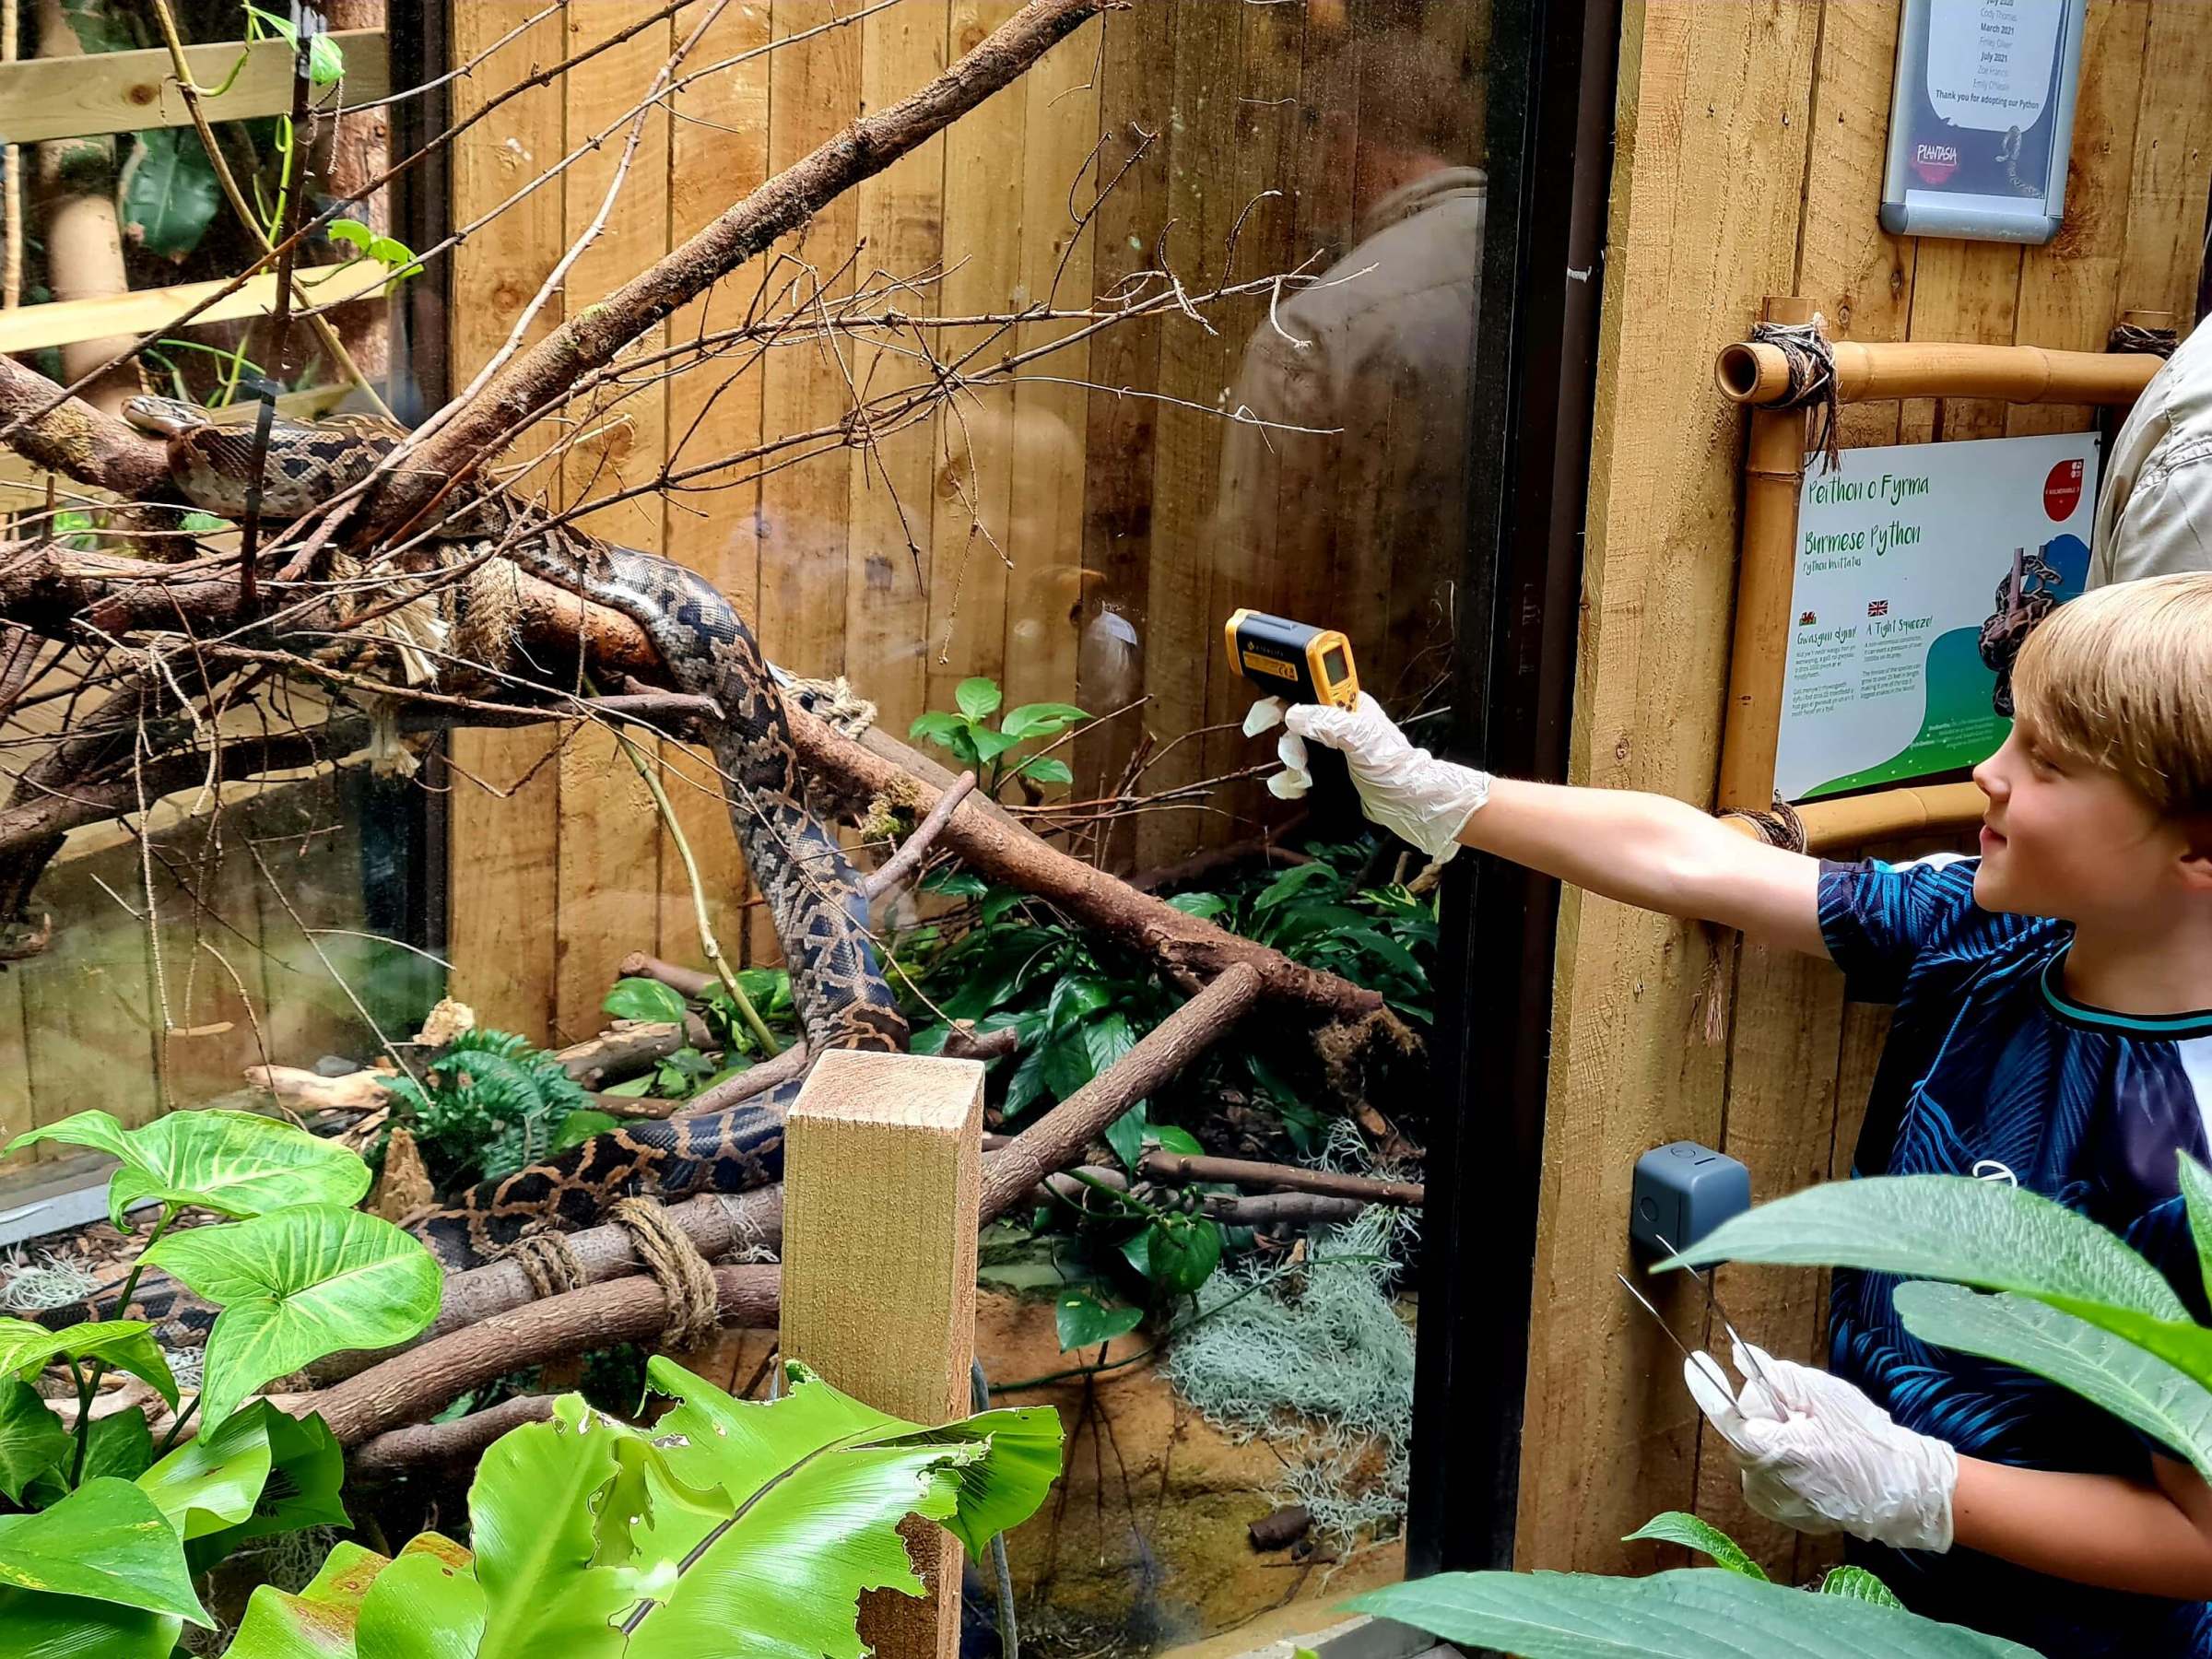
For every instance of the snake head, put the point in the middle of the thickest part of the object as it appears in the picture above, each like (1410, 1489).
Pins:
(163, 416)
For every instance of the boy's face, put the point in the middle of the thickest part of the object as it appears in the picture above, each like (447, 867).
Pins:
(2064, 839)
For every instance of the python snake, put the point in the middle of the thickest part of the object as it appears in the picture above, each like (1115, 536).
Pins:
(813, 892)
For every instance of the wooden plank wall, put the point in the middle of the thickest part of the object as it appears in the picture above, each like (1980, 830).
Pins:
(1750, 164)
(1056, 536)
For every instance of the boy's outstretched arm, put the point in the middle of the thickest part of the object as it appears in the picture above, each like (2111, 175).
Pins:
(2093, 1529)
(1645, 850)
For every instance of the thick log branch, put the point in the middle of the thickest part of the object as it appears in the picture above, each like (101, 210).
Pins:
(432, 1446)
(78, 440)
(1057, 1139)
(418, 1381)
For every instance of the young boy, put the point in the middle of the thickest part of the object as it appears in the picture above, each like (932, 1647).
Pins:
(2054, 1027)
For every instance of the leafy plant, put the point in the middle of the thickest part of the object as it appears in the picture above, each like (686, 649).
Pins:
(490, 1102)
(966, 730)
(111, 1527)
(1991, 1270)
(731, 1527)
(685, 1072)
(168, 194)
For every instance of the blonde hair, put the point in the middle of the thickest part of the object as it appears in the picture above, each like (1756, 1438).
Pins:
(2120, 678)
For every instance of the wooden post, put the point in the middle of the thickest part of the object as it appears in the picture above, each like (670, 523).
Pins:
(1773, 473)
(882, 1192)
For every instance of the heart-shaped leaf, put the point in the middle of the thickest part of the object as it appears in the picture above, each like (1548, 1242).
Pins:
(118, 1445)
(1180, 1253)
(295, 1285)
(31, 1437)
(210, 1485)
(107, 1541)
(128, 1345)
(233, 1162)
(307, 1469)
(168, 191)
(65, 1627)
(1084, 1319)
(647, 999)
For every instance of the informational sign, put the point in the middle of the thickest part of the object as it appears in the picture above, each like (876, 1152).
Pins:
(1903, 554)
(1982, 118)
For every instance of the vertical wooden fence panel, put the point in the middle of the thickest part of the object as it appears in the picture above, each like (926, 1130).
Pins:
(502, 813)
(1711, 164)
(610, 835)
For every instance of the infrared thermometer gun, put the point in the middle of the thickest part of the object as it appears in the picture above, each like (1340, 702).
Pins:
(1292, 660)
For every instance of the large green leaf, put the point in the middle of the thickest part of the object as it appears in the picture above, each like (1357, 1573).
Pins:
(233, 1162)
(2196, 1196)
(71, 1627)
(2138, 1388)
(319, 1622)
(1975, 1232)
(742, 1446)
(169, 190)
(532, 1518)
(295, 1285)
(1692, 1532)
(423, 1608)
(106, 1541)
(31, 1437)
(118, 1446)
(211, 1484)
(977, 696)
(1698, 1612)
(128, 1345)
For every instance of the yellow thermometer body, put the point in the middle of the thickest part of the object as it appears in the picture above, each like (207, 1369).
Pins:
(1293, 659)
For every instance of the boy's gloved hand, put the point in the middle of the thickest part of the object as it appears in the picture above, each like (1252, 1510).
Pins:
(1819, 1455)
(1405, 789)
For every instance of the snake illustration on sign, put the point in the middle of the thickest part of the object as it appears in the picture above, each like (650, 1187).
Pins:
(1899, 550)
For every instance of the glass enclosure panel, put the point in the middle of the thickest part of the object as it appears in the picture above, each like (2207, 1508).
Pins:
(1179, 323)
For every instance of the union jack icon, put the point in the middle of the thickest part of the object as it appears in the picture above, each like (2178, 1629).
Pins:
(1878, 607)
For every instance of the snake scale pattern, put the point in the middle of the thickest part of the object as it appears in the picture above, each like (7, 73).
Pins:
(813, 892)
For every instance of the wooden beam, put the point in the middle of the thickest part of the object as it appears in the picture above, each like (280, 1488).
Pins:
(879, 1299)
(29, 327)
(130, 91)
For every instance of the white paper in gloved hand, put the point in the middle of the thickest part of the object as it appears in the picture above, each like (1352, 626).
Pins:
(1406, 790)
(1819, 1455)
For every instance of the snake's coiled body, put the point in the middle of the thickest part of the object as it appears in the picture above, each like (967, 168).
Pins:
(813, 892)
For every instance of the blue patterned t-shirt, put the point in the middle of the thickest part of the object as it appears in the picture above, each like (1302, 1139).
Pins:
(1991, 1070)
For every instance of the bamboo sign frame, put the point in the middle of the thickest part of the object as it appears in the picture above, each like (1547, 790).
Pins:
(1756, 375)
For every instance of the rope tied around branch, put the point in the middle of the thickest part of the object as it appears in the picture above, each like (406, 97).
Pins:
(547, 1260)
(551, 1265)
(1812, 362)
(694, 1307)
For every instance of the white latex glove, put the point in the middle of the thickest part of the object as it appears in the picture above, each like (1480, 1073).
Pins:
(1819, 1455)
(1406, 790)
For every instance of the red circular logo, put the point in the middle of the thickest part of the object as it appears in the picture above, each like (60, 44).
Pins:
(2061, 490)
